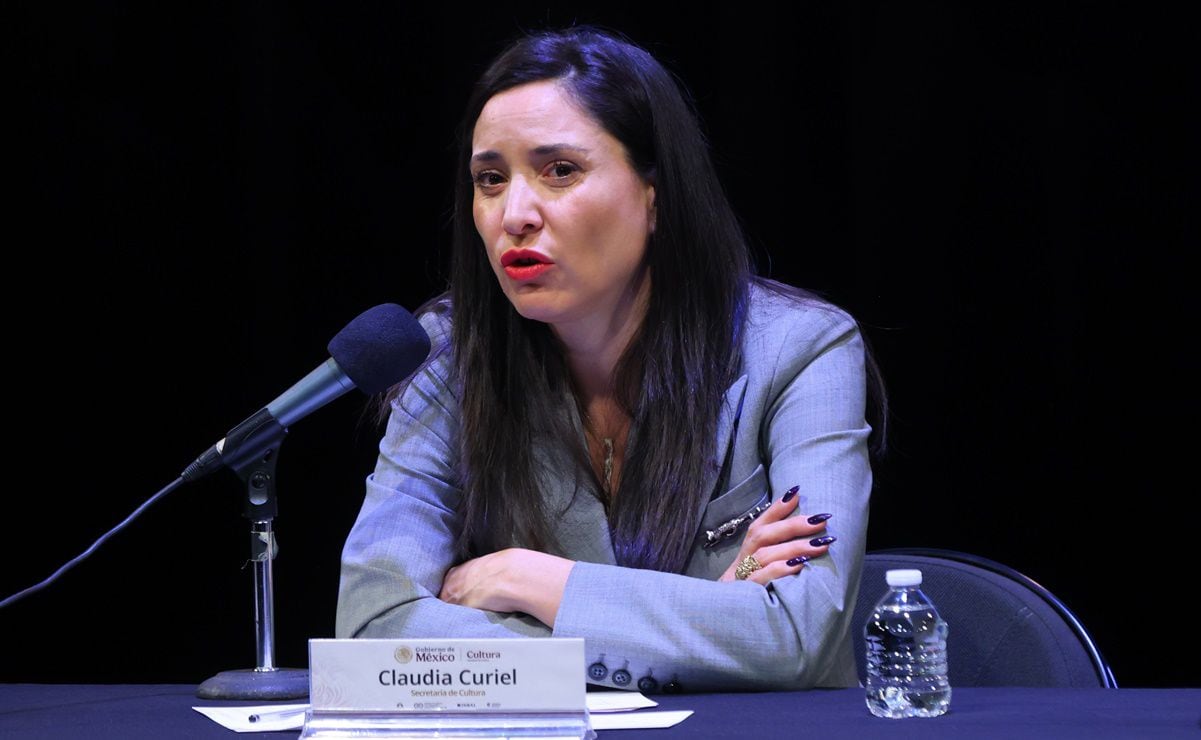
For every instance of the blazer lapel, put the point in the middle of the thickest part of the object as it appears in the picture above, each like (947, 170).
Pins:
(582, 523)
(579, 517)
(727, 425)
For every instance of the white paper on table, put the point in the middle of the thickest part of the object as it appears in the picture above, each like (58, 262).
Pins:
(617, 701)
(273, 717)
(639, 720)
(612, 710)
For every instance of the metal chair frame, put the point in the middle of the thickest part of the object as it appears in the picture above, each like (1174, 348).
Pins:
(1104, 673)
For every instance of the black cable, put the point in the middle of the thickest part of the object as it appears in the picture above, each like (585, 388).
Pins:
(79, 558)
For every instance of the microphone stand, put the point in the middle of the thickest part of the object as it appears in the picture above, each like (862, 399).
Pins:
(251, 451)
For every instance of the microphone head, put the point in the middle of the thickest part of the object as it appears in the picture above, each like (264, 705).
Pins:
(380, 347)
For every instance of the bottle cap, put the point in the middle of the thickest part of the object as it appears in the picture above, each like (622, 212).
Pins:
(903, 578)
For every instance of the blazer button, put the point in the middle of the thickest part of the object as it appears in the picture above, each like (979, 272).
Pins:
(672, 687)
(622, 677)
(597, 671)
(648, 684)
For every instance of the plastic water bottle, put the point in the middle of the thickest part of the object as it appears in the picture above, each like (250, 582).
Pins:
(906, 652)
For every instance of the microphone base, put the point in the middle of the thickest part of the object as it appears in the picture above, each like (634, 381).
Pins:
(257, 685)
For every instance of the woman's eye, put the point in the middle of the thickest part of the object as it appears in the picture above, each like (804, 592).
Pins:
(487, 179)
(562, 170)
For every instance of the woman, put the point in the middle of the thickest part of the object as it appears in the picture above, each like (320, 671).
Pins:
(619, 428)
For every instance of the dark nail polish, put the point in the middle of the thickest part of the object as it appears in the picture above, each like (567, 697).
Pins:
(791, 493)
(797, 561)
(823, 540)
(819, 518)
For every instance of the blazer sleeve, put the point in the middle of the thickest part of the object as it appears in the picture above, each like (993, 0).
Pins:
(403, 541)
(794, 633)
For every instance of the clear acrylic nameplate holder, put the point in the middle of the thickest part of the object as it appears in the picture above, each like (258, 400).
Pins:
(519, 688)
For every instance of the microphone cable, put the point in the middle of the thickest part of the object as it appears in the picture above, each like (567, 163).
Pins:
(84, 555)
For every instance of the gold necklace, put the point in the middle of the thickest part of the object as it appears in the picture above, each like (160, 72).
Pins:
(608, 466)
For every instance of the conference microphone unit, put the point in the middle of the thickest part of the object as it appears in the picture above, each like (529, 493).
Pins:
(376, 350)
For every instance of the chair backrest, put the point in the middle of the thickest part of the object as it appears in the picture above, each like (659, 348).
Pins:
(1004, 629)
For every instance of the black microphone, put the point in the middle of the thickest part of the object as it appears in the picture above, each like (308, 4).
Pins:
(376, 350)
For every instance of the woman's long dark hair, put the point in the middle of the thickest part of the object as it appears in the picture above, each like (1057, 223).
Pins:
(671, 379)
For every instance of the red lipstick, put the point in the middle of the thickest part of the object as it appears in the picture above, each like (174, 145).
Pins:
(525, 264)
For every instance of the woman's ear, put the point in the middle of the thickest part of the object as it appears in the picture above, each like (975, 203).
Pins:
(650, 202)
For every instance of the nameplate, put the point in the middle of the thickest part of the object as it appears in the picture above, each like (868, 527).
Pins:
(517, 675)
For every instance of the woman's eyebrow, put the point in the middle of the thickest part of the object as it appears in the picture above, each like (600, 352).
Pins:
(490, 155)
(546, 149)
(485, 156)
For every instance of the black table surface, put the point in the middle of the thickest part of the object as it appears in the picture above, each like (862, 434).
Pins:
(133, 712)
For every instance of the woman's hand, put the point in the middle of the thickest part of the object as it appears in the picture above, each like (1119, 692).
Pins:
(512, 580)
(782, 544)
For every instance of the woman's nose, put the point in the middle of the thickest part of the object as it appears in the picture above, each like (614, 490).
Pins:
(522, 214)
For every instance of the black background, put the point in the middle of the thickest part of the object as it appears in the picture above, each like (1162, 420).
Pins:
(1004, 196)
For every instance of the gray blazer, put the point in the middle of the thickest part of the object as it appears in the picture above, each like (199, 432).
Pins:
(794, 417)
